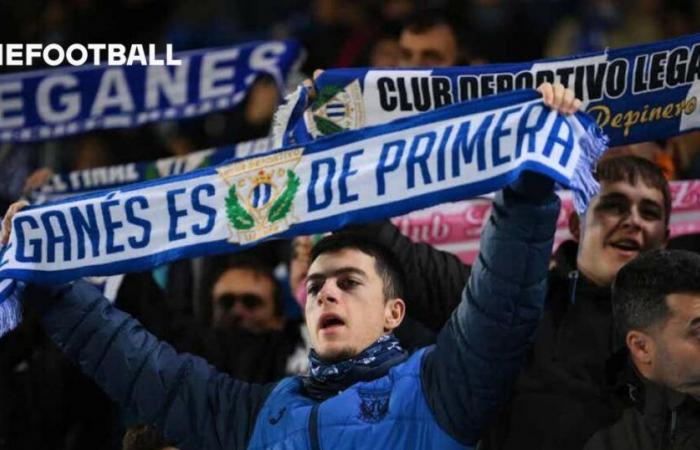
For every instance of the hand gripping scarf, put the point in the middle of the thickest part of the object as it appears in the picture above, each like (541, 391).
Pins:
(377, 172)
(641, 93)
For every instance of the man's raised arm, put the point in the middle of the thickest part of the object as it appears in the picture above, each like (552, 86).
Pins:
(468, 375)
(195, 406)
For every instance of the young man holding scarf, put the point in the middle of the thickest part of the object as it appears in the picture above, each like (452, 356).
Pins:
(364, 391)
(577, 381)
(573, 381)
(565, 392)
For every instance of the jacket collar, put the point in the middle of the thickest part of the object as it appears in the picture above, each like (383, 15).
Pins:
(579, 286)
(648, 397)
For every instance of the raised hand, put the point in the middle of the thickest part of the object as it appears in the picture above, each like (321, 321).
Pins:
(559, 98)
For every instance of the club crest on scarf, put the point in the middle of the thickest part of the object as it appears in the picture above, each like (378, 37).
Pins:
(455, 152)
(261, 192)
(336, 109)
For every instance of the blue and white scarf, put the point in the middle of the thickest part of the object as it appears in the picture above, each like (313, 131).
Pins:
(453, 153)
(52, 103)
(66, 184)
(642, 93)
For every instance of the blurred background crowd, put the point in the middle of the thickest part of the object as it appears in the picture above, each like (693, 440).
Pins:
(241, 311)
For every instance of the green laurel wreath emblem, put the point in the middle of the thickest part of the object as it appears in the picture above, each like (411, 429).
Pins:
(236, 213)
(324, 125)
(326, 94)
(283, 204)
(241, 219)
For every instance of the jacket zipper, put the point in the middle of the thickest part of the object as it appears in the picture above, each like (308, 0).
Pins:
(672, 429)
(573, 277)
(313, 429)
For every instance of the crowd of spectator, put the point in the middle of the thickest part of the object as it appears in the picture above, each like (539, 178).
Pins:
(240, 311)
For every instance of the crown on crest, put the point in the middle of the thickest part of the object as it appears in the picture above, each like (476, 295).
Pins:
(262, 178)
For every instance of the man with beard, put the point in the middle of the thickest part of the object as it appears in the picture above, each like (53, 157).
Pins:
(656, 310)
(247, 321)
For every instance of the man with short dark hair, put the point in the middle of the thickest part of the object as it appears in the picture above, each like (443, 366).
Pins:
(248, 321)
(363, 390)
(630, 215)
(247, 296)
(656, 307)
(431, 39)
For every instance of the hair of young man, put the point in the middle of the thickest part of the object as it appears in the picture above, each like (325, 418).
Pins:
(143, 437)
(640, 288)
(385, 262)
(241, 261)
(423, 20)
(631, 169)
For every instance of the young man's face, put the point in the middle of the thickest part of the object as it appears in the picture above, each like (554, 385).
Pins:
(345, 307)
(434, 47)
(622, 221)
(245, 299)
(676, 358)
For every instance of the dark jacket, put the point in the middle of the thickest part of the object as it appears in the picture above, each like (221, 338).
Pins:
(46, 403)
(464, 379)
(237, 352)
(575, 386)
(559, 400)
(647, 416)
(233, 351)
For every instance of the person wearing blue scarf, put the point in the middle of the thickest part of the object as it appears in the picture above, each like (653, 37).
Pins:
(363, 390)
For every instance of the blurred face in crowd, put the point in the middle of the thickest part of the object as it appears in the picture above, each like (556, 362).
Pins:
(346, 310)
(433, 47)
(385, 53)
(245, 299)
(622, 220)
(669, 353)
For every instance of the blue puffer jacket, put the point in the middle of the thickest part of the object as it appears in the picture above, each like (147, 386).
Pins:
(441, 397)
(388, 412)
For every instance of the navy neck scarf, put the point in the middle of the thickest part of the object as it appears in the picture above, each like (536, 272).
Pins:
(328, 379)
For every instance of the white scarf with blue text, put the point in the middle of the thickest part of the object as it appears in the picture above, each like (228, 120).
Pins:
(377, 172)
(640, 93)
